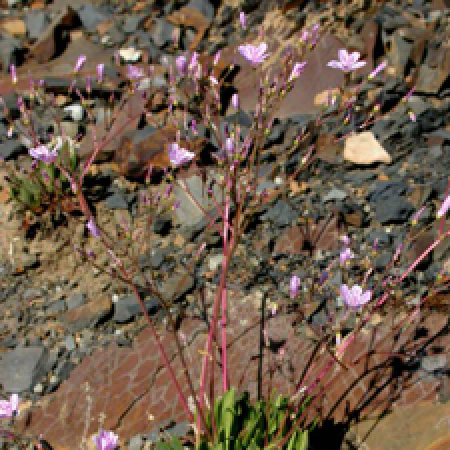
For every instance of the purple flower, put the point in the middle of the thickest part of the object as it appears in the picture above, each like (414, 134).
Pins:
(100, 68)
(193, 63)
(229, 146)
(243, 19)
(194, 126)
(134, 73)
(347, 61)
(88, 84)
(305, 36)
(12, 69)
(106, 440)
(345, 255)
(93, 228)
(9, 408)
(354, 297)
(43, 153)
(235, 100)
(179, 155)
(216, 58)
(442, 211)
(255, 54)
(181, 63)
(294, 286)
(81, 60)
(297, 70)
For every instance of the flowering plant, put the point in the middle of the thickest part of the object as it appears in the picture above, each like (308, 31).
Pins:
(238, 156)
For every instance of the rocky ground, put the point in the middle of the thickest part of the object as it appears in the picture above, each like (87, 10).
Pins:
(73, 341)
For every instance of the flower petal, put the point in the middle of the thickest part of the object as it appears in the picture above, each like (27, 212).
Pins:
(358, 65)
(343, 55)
(335, 65)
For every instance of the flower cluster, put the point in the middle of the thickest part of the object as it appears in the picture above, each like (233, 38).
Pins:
(9, 408)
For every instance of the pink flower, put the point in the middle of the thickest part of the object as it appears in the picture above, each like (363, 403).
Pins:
(93, 228)
(181, 63)
(88, 84)
(213, 80)
(305, 36)
(297, 70)
(294, 286)
(179, 155)
(134, 72)
(43, 153)
(345, 255)
(12, 69)
(255, 54)
(9, 408)
(106, 440)
(345, 239)
(347, 61)
(354, 297)
(194, 127)
(229, 146)
(80, 62)
(235, 101)
(100, 68)
(243, 19)
(216, 58)
(193, 67)
(442, 211)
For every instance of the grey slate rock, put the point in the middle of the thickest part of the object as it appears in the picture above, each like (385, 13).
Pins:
(56, 307)
(10, 52)
(153, 259)
(132, 23)
(76, 299)
(69, 343)
(281, 214)
(11, 148)
(161, 32)
(188, 212)
(385, 189)
(136, 442)
(204, 6)
(335, 194)
(162, 225)
(36, 23)
(393, 210)
(22, 368)
(91, 16)
(116, 200)
(127, 308)
(434, 363)
(383, 239)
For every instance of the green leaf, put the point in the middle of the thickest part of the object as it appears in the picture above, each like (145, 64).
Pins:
(298, 441)
(173, 444)
(228, 414)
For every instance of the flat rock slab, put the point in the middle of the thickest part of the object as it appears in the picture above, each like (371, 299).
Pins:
(21, 368)
(131, 387)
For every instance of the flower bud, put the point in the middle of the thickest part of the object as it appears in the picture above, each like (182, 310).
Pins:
(235, 101)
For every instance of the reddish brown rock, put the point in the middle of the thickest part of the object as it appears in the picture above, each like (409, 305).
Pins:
(307, 239)
(134, 392)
